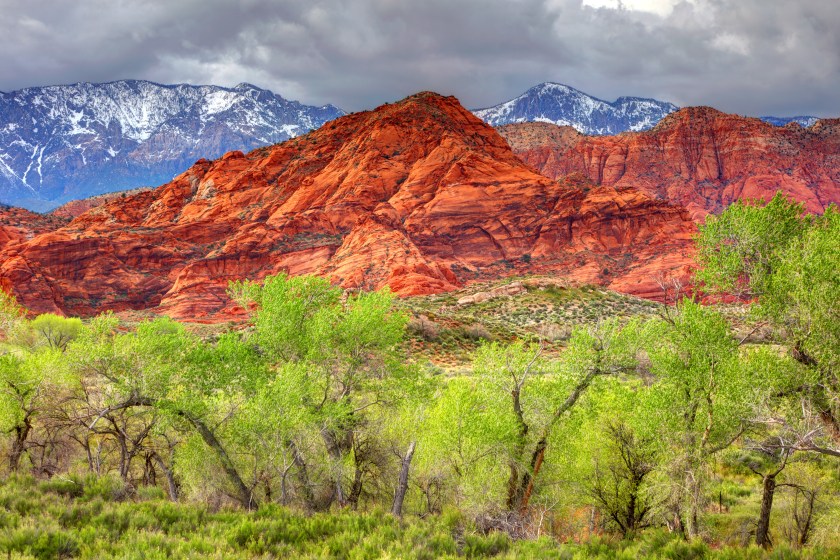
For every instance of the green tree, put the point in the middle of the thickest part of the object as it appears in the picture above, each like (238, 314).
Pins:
(11, 313)
(348, 347)
(510, 412)
(30, 385)
(699, 402)
(56, 331)
(790, 263)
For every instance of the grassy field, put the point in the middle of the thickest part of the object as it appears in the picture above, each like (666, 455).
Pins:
(97, 518)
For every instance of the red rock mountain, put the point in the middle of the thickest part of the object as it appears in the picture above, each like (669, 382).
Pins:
(696, 157)
(418, 195)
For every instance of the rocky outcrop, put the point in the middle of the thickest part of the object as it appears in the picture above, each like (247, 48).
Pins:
(18, 225)
(697, 157)
(506, 290)
(418, 195)
(76, 208)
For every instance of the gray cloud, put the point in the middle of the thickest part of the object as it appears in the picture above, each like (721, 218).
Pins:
(745, 56)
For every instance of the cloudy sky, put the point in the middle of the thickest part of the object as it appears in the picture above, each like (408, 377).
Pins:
(755, 57)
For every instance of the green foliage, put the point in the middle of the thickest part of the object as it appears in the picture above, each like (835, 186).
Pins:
(739, 249)
(11, 313)
(791, 263)
(315, 403)
(56, 331)
(40, 523)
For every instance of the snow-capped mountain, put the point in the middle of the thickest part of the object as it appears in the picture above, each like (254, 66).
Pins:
(564, 105)
(60, 143)
(782, 121)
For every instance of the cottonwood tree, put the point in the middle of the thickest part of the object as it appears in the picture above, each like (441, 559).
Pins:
(699, 402)
(621, 471)
(789, 262)
(170, 376)
(33, 378)
(348, 347)
(467, 435)
(11, 313)
(540, 393)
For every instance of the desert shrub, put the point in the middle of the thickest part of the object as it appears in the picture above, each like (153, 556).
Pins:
(477, 331)
(423, 327)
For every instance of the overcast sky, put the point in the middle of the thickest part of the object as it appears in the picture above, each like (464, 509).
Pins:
(754, 57)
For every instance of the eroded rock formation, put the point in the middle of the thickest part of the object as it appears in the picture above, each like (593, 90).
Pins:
(696, 157)
(418, 195)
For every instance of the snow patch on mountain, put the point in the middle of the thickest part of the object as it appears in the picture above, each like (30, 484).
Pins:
(803, 121)
(59, 143)
(564, 105)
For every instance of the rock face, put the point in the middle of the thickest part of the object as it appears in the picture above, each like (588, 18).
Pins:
(74, 208)
(18, 225)
(564, 105)
(418, 195)
(61, 143)
(698, 158)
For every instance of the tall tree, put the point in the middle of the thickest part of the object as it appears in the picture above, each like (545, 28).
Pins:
(540, 393)
(348, 347)
(699, 402)
(789, 262)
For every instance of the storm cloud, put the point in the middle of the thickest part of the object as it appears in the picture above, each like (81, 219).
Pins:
(752, 57)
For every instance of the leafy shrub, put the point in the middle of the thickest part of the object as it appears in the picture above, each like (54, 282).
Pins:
(424, 327)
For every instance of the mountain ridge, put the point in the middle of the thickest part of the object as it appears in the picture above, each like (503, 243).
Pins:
(73, 141)
(697, 157)
(564, 105)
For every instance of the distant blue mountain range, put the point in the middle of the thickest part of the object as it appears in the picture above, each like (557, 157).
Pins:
(564, 105)
(61, 143)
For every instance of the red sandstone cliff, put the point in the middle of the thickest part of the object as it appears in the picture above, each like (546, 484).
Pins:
(696, 157)
(419, 195)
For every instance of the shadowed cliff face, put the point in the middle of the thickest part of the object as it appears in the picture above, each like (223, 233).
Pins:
(419, 195)
(698, 157)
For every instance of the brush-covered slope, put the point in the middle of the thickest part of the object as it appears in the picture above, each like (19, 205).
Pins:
(419, 195)
(697, 157)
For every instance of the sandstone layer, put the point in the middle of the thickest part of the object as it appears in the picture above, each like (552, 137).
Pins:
(697, 157)
(75, 208)
(418, 195)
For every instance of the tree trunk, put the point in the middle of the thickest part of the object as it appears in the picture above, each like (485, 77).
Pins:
(19, 444)
(242, 493)
(402, 484)
(805, 525)
(302, 476)
(356, 488)
(762, 536)
(527, 487)
(335, 452)
(170, 478)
